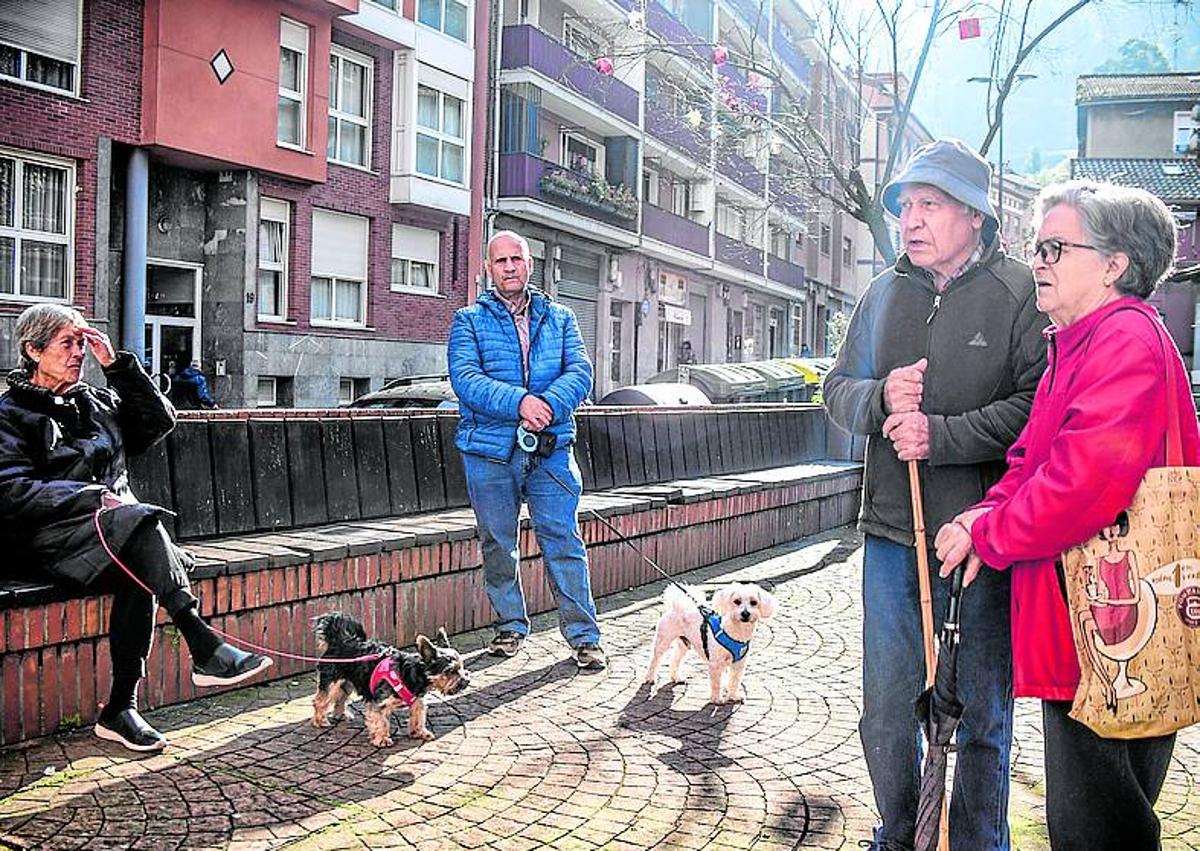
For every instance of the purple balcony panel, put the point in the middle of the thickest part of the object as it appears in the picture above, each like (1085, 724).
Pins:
(791, 56)
(526, 46)
(733, 82)
(741, 170)
(674, 230)
(662, 23)
(737, 253)
(789, 202)
(784, 272)
(677, 133)
(525, 176)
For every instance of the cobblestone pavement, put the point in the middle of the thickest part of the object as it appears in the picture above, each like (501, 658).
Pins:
(535, 754)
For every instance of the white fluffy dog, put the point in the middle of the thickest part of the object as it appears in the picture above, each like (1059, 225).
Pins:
(739, 607)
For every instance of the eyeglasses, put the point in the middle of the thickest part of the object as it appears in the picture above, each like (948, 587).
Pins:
(1050, 250)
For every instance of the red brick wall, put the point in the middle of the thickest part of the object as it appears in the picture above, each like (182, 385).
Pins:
(365, 193)
(64, 126)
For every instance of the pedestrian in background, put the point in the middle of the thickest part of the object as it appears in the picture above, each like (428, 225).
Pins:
(517, 359)
(1099, 423)
(941, 360)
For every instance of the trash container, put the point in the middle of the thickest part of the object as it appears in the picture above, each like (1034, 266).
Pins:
(663, 394)
(722, 383)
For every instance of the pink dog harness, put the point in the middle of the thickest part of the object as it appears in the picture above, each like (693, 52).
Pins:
(385, 672)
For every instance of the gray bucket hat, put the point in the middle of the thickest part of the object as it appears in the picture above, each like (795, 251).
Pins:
(954, 168)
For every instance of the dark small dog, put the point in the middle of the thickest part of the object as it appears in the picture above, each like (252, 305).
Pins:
(393, 678)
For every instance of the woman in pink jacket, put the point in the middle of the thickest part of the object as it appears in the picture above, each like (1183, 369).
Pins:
(1098, 424)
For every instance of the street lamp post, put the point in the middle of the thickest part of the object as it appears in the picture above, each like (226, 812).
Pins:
(1017, 80)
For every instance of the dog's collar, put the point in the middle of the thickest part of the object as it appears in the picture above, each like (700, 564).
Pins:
(712, 622)
(385, 672)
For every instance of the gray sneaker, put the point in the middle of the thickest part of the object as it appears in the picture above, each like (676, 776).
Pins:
(506, 643)
(590, 656)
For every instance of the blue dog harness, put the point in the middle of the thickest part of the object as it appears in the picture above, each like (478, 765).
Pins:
(711, 622)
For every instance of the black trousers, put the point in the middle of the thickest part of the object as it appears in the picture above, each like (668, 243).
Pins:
(1100, 793)
(153, 559)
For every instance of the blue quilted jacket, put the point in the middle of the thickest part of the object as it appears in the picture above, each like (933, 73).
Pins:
(485, 370)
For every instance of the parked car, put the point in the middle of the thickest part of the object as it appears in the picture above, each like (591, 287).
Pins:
(417, 391)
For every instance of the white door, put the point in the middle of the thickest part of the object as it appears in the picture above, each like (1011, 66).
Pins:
(172, 317)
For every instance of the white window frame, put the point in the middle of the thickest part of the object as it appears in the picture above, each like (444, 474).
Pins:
(402, 236)
(338, 56)
(651, 186)
(345, 391)
(291, 36)
(1182, 131)
(266, 381)
(334, 278)
(731, 221)
(438, 135)
(847, 252)
(441, 25)
(565, 156)
(18, 233)
(681, 196)
(278, 211)
(579, 41)
(24, 52)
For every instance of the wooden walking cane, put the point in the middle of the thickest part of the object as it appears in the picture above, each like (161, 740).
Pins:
(926, 592)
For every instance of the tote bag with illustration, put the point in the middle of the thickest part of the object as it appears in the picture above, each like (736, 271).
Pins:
(1134, 597)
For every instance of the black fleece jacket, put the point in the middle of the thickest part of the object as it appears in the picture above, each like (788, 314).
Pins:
(983, 338)
(60, 453)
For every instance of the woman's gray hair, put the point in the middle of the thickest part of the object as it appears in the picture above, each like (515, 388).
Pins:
(37, 326)
(1120, 219)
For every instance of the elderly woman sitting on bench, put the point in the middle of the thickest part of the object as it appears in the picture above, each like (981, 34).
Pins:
(66, 509)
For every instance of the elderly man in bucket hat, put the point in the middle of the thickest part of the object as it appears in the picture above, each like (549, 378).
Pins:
(940, 364)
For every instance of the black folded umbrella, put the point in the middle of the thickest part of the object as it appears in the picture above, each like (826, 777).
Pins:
(939, 711)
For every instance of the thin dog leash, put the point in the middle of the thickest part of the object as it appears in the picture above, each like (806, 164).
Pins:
(230, 638)
(620, 537)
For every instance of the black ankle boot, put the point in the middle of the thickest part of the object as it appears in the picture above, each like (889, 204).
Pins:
(131, 730)
(228, 666)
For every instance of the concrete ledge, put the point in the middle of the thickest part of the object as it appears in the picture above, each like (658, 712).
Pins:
(402, 576)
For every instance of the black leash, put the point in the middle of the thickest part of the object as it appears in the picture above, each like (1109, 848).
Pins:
(542, 445)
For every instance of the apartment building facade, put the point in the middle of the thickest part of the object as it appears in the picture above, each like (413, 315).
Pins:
(279, 189)
(635, 149)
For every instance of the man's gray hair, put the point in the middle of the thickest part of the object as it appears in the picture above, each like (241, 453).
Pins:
(1120, 219)
(38, 325)
(509, 234)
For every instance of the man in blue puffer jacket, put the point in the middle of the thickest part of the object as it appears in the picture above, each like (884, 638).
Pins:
(518, 359)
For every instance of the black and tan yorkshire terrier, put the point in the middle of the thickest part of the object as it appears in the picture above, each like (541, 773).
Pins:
(386, 678)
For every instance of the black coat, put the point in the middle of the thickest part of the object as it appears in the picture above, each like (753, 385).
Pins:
(60, 454)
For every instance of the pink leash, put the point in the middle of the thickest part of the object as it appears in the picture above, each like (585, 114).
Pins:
(230, 638)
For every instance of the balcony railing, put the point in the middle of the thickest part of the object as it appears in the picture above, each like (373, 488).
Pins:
(791, 56)
(734, 82)
(738, 254)
(527, 176)
(667, 227)
(677, 133)
(789, 202)
(673, 31)
(526, 46)
(785, 272)
(733, 165)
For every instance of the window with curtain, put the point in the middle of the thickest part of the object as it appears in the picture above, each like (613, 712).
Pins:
(338, 293)
(440, 135)
(415, 259)
(273, 218)
(448, 16)
(349, 107)
(293, 83)
(39, 43)
(35, 227)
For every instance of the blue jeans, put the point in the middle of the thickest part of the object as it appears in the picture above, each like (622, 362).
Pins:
(893, 677)
(496, 490)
